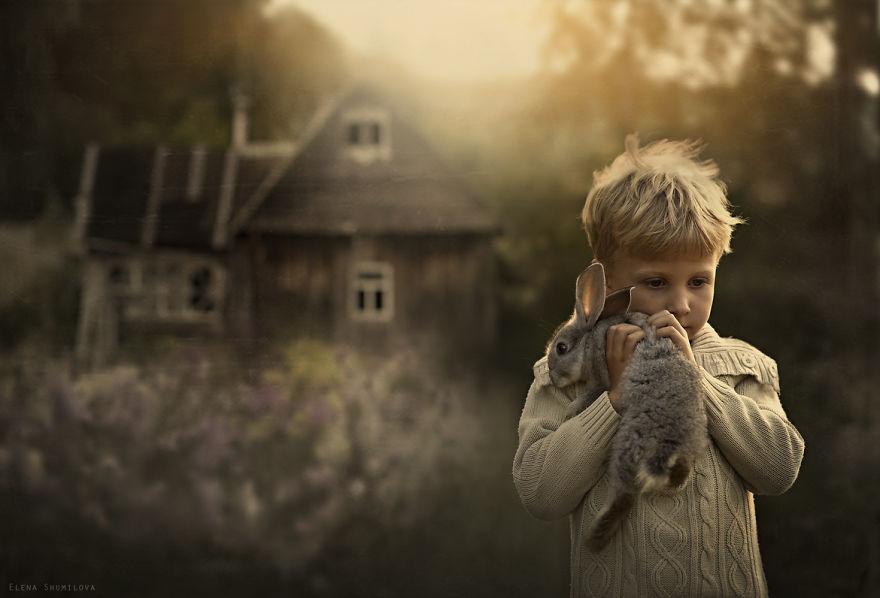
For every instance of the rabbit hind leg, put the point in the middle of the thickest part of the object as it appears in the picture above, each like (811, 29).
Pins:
(609, 520)
(679, 472)
(663, 472)
(648, 479)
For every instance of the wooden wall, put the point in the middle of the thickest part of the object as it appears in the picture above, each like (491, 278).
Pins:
(444, 290)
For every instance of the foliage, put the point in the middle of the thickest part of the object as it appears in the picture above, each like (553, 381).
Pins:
(321, 466)
(40, 282)
(293, 63)
(144, 73)
(322, 454)
(800, 285)
(175, 87)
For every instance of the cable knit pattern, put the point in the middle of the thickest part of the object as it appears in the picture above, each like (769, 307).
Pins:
(667, 538)
(706, 481)
(735, 539)
(630, 581)
(701, 541)
(597, 572)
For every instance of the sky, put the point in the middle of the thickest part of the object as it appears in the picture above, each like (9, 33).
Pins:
(474, 39)
(440, 39)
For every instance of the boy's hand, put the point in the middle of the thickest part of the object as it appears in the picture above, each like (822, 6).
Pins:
(620, 341)
(668, 326)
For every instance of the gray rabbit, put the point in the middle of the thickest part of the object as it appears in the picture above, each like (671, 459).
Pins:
(663, 422)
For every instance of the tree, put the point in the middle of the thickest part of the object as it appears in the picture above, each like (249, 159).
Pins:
(643, 62)
(142, 73)
(290, 65)
(856, 183)
(26, 71)
(857, 147)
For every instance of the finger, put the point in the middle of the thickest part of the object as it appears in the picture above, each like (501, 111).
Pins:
(672, 323)
(609, 344)
(680, 329)
(619, 331)
(670, 330)
(615, 345)
(661, 319)
(656, 318)
(611, 360)
(609, 338)
(675, 334)
(619, 328)
(665, 318)
(615, 348)
(632, 339)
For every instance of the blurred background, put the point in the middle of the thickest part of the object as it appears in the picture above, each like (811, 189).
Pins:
(274, 275)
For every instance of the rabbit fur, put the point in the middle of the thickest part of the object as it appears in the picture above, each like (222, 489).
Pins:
(663, 421)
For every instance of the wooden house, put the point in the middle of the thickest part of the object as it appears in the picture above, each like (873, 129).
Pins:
(356, 233)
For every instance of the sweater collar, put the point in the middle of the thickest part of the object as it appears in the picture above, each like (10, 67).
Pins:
(715, 355)
(706, 338)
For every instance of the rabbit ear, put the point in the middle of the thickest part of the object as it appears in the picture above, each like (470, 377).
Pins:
(617, 302)
(590, 295)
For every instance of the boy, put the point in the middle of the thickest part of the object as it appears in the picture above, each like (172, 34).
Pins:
(658, 221)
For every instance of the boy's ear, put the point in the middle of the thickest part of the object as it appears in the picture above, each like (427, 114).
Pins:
(590, 295)
(617, 302)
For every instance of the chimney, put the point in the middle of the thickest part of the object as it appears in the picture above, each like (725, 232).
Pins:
(240, 103)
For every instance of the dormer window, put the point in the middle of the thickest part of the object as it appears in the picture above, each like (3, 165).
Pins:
(367, 134)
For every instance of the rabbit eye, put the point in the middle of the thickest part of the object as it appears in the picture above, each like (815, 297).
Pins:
(561, 348)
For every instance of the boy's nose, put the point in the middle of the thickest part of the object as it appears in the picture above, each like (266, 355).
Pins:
(678, 305)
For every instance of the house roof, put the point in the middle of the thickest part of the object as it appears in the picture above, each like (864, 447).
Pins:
(119, 194)
(325, 191)
(188, 220)
(397, 204)
(169, 197)
(198, 199)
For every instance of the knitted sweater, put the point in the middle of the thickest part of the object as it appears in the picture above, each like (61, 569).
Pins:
(701, 541)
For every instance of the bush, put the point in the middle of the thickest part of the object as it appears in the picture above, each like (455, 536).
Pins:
(319, 456)
(40, 283)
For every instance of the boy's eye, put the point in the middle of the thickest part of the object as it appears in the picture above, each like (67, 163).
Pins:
(654, 283)
(698, 282)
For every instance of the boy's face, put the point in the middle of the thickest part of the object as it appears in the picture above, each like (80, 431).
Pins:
(684, 285)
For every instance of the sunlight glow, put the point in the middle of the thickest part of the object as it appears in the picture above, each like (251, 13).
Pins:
(869, 81)
(820, 53)
(453, 39)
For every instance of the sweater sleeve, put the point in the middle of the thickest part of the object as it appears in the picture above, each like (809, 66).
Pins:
(558, 460)
(749, 426)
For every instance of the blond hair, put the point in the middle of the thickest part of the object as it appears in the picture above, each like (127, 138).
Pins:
(658, 200)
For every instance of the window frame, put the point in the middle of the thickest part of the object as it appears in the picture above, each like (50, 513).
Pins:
(366, 134)
(380, 281)
(167, 297)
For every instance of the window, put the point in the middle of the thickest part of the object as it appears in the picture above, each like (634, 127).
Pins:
(168, 288)
(354, 134)
(200, 297)
(372, 292)
(367, 134)
(118, 276)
